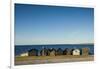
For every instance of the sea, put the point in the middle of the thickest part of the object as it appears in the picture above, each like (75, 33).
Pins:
(25, 48)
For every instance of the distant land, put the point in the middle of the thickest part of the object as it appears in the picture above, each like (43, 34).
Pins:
(64, 44)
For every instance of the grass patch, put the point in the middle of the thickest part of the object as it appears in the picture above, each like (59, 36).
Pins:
(25, 58)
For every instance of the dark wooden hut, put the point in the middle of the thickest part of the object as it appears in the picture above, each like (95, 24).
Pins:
(44, 52)
(33, 52)
(65, 52)
(52, 52)
(59, 51)
(85, 51)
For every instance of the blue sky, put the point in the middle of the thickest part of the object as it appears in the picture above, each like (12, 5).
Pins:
(41, 24)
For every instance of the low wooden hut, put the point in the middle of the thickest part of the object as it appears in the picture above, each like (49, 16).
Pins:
(75, 52)
(85, 51)
(59, 51)
(65, 52)
(33, 52)
(52, 52)
(44, 52)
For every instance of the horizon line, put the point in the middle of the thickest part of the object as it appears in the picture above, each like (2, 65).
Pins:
(56, 44)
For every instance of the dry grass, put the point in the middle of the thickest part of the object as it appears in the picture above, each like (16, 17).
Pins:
(25, 58)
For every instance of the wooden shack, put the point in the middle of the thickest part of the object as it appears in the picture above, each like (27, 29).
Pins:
(44, 52)
(52, 52)
(33, 52)
(65, 52)
(75, 52)
(85, 51)
(59, 51)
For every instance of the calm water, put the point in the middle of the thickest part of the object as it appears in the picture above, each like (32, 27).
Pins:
(24, 48)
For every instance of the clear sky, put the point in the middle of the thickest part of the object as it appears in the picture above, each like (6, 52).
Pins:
(41, 24)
